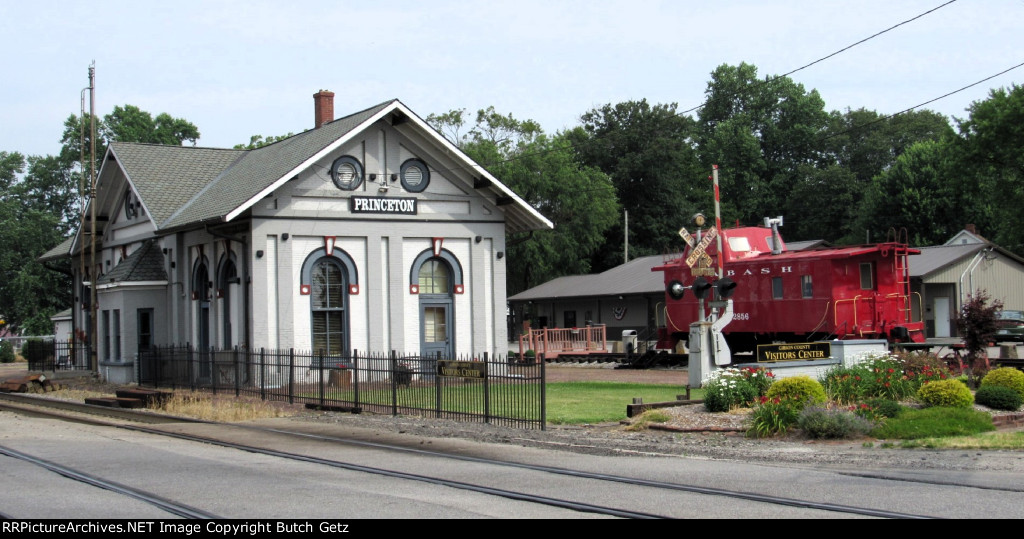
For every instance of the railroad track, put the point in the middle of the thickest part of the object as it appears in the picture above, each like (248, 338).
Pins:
(268, 442)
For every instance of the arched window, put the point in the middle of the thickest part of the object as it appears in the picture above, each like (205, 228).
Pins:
(327, 307)
(435, 277)
(227, 277)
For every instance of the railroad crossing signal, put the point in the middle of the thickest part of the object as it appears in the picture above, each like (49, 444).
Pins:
(698, 252)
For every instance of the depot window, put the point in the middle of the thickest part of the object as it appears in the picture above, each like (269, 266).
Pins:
(776, 287)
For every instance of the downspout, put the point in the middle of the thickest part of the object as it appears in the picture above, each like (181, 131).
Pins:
(248, 279)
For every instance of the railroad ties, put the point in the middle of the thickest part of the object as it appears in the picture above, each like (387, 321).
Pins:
(34, 383)
(131, 398)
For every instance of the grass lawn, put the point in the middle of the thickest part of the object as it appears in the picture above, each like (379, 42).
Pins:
(601, 402)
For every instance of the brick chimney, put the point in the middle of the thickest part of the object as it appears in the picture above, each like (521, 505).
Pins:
(971, 228)
(323, 105)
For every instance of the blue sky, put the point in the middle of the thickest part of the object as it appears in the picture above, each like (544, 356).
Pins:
(237, 69)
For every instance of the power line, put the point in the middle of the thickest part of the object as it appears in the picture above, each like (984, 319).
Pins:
(844, 49)
(904, 111)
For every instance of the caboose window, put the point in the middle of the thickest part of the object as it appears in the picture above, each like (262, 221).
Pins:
(776, 287)
(806, 287)
(867, 276)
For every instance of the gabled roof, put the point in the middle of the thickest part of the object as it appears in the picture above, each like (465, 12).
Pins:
(146, 264)
(632, 278)
(966, 236)
(167, 178)
(184, 186)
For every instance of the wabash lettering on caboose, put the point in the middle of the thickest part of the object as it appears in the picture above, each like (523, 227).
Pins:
(782, 296)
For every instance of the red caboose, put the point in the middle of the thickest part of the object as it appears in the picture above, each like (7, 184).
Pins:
(860, 292)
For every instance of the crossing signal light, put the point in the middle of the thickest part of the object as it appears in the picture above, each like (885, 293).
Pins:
(701, 287)
(725, 287)
(676, 290)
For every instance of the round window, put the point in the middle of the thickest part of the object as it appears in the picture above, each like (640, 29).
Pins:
(415, 175)
(347, 173)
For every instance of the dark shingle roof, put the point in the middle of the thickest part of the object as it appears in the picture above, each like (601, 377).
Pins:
(934, 258)
(62, 250)
(632, 278)
(167, 177)
(181, 185)
(258, 169)
(145, 264)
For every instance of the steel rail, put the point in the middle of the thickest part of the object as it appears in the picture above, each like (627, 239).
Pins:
(170, 506)
(709, 491)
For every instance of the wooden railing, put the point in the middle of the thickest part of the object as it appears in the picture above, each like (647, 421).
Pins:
(551, 343)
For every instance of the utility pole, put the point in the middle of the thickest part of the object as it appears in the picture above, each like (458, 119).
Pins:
(93, 272)
(625, 257)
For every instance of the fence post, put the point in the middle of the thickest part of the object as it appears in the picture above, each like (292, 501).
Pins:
(355, 378)
(394, 384)
(238, 373)
(437, 386)
(291, 376)
(543, 396)
(263, 374)
(321, 369)
(487, 389)
(190, 356)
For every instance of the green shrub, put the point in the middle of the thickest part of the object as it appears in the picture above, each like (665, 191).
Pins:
(885, 407)
(35, 350)
(773, 416)
(6, 352)
(727, 389)
(998, 397)
(802, 389)
(950, 393)
(1007, 377)
(831, 423)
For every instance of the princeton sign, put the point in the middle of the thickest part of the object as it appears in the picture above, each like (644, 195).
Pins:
(793, 351)
(401, 206)
(462, 369)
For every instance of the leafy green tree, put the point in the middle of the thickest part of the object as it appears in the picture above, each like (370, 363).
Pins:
(759, 132)
(29, 292)
(11, 164)
(39, 207)
(648, 153)
(915, 194)
(992, 161)
(579, 200)
(131, 124)
(858, 145)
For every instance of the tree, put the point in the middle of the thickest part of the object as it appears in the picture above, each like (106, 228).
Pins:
(858, 145)
(131, 124)
(648, 153)
(916, 194)
(977, 324)
(759, 132)
(39, 208)
(992, 163)
(543, 170)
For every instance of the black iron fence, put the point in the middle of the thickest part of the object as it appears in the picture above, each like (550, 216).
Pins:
(485, 389)
(52, 355)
